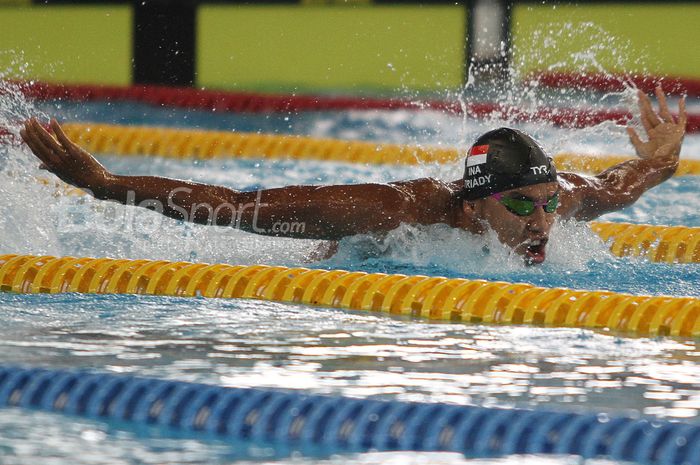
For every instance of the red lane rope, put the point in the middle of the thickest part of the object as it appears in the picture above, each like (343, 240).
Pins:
(219, 100)
(564, 117)
(618, 82)
(252, 102)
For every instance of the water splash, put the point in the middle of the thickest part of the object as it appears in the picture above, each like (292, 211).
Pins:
(440, 249)
(518, 91)
(14, 106)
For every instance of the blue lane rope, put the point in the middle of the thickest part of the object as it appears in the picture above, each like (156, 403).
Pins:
(340, 424)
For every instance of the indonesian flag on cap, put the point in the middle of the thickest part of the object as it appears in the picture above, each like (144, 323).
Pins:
(477, 155)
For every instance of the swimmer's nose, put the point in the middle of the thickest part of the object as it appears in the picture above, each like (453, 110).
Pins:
(538, 220)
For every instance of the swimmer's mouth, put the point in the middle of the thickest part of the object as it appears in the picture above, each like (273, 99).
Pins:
(535, 251)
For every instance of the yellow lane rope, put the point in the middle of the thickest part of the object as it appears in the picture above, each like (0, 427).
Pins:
(436, 298)
(670, 244)
(181, 143)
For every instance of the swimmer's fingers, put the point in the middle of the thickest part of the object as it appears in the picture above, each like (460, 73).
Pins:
(39, 151)
(634, 137)
(36, 144)
(68, 144)
(29, 140)
(664, 112)
(637, 142)
(642, 113)
(52, 149)
(682, 114)
(647, 114)
(47, 139)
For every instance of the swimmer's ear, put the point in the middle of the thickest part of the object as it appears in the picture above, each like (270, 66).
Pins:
(472, 219)
(469, 207)
(469, 210)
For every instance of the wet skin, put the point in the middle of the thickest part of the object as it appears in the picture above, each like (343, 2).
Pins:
(336, 211)
(525, 235)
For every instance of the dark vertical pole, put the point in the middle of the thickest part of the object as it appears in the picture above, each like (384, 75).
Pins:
(508, 6)
(164, 42)
(489, 37)
(468, 8)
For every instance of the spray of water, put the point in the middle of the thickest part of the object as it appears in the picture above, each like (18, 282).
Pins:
(458, 253)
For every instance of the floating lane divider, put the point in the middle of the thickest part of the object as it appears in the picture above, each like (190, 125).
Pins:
(436, 298)
(250, 102)
(616, 82)
(181, 143)
(669, 244)
(339, 424)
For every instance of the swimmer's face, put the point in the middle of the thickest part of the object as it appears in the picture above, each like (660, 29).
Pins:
(526, 235)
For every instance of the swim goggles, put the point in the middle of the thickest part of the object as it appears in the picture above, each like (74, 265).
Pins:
(525, 206)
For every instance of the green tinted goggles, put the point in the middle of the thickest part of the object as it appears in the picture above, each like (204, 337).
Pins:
(525, 206)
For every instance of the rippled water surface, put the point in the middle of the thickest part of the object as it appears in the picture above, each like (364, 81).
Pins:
(248, 343)
(253, 343)
(57, 440)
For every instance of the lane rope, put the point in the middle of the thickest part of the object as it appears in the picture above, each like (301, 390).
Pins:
(252, 102)
(342, 424)
(186, 143)
(435, 298)
(616, 82)
(668, 244)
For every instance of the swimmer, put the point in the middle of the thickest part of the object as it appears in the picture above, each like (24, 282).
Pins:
(509, 186)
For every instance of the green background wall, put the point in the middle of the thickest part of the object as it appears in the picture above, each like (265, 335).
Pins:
(338, 47)
(67, 43)
(656, 38)
(357, 47)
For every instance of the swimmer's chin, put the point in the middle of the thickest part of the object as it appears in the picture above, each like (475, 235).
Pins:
(323, 251)
(534, 253)
(531, 261)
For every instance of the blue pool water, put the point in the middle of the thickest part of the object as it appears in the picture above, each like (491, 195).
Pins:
(252, 343)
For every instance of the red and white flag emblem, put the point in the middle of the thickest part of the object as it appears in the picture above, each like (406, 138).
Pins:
(477, 155)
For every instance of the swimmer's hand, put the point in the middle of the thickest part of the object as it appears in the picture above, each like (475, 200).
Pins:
(63, 157)
(664, 133)
(621, 185)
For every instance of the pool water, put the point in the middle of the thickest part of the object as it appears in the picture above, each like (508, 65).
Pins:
(264, 344)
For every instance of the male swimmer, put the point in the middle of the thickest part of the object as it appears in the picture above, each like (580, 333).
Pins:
(509, 186)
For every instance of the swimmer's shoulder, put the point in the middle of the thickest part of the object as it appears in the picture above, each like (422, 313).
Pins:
(432, 199)
(573, 188)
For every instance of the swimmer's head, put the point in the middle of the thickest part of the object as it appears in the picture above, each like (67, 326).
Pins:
(505, 159)
(510, 188)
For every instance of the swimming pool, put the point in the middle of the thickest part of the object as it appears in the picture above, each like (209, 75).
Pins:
(264, 344)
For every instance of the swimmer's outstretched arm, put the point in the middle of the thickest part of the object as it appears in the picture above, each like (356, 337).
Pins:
(621, 185)
(312, 212)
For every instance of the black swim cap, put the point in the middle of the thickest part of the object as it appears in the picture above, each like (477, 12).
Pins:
(505, 159)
